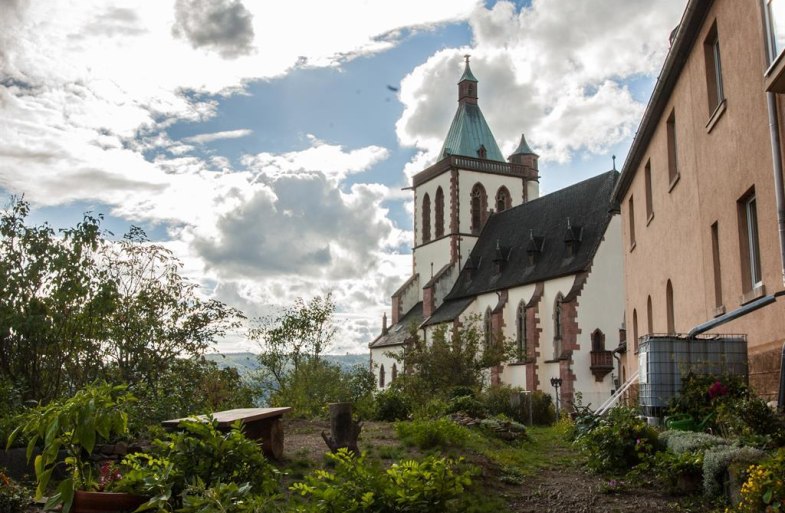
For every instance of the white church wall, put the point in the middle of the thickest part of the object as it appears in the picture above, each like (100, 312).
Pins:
(533, 190)
(491, 183)
(601, 306)
(515, 375)
(430, 258)
(430, 188)
(380, 358)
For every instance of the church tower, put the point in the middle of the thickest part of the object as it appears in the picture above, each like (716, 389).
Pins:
(454, 197)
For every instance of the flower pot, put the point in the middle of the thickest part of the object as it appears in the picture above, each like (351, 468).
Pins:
(106, 502)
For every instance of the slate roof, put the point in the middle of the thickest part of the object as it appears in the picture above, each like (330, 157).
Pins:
(398, 333)
(538, 228)
(448, 311)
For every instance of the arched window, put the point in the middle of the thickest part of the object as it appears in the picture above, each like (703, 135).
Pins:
(669, 306)
(521, 335)
(635, 330)
(426, 218)
(439, 212)
(557, 327)
(598, 340)
(381, 376)
(479, 207)
(649, 317)
(487, 328)
(394, 373)
(503, 199)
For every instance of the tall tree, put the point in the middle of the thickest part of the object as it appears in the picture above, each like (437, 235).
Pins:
(75, 306)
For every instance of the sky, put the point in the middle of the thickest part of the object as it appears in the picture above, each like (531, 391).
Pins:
(268, 144)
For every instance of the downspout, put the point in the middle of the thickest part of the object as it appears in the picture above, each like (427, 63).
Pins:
(779, 192)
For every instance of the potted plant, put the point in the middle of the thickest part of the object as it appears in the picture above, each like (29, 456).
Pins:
(67, 431)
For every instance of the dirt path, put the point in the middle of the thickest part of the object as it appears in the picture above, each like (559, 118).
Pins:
(551, 489)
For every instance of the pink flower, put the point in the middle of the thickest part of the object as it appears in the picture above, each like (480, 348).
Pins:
(717, 389)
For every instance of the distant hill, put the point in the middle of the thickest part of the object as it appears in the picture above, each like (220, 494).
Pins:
(246, 362)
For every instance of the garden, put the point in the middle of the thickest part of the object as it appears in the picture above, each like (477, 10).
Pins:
(102, 339)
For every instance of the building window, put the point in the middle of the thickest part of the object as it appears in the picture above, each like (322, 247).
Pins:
(711, 48)
(673, 158)
(557, 327)
(598, 340)
(479, 207)
(669, 307)
(649, 317)
(394, 373)
(748, 242)
(775, 16)
(649, 205)
(631, 215)
(521, 331)
(487, 328)
(635, 329)
(439, 204)
(503, 200)
(426, 218)
(715, 251)
(381, 376)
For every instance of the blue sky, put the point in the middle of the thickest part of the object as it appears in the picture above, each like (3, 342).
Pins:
(269, 151)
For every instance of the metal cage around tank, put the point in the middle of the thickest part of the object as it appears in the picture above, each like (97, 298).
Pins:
(665, 359)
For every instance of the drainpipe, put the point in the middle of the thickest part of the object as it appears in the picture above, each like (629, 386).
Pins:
(779, 191)
(781, 395)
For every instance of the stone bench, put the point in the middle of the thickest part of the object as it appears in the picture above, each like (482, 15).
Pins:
(258, 424)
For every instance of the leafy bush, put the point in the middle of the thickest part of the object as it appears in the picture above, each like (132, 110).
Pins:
(392, 405)
(431, 409)
(427, 434)
(468, 405)
(225, 498)
(688, 441)
(14, 497)
(543, 410)
(680, 473)
(618, 442)
(200, 450)
(504, 428)
(751, 421)
(716, 461)
(701, 394)
(433, 485)
(506, 400)
(764, 490)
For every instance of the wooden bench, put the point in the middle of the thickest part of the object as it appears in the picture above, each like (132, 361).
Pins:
(258, 424)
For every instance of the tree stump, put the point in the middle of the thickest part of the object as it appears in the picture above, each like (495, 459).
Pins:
(344, 431)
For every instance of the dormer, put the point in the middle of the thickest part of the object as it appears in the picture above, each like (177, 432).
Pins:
(501, 257)
(572, 238)
(534, 247)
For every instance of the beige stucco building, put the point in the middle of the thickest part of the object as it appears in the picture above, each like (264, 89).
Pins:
(701, 189)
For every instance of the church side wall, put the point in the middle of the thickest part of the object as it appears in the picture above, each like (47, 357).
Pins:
(381, 359)
(601, 306)
(515, 375)
(430, 188)
(429, 260)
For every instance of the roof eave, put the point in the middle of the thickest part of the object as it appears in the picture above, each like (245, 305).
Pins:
(687, 33)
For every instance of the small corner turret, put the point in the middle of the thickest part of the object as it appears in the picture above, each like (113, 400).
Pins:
(526, 158)
(467, 85)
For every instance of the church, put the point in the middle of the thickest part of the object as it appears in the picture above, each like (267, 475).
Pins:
(543, 271)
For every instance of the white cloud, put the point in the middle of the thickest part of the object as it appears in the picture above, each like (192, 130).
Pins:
(217, 136)
(555, 70)
(221, 25)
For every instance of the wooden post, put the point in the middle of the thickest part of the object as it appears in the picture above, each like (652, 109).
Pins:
(343, 430)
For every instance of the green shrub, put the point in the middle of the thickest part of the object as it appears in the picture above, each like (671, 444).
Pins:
(468, 405)
(751, 421)
(504, 428)
(506, 400)
(680, 473)
(432, 409)
(392, 405)
(619, 441)
(433, 485)
(226, 498)
(689, 441)
(427, 434)
(543, 410)
(14, 497)
(716, 461)
(701, 394)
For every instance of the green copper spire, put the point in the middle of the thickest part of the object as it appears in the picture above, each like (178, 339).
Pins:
(469, 134)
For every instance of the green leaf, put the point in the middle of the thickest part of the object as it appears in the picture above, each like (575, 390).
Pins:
(767, 496)
(85, 433)
(12, 437)
(66, 493)
(31, 447)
